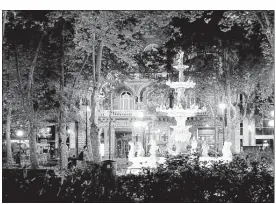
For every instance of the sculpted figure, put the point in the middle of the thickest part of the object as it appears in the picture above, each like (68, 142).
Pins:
(131, 153)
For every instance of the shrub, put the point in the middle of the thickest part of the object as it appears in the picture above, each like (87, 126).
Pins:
(181, 179)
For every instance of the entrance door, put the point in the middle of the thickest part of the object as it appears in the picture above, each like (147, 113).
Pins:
(208, 135)
(122, 147)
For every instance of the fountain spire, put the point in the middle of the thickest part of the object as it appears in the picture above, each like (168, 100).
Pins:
(181, 132)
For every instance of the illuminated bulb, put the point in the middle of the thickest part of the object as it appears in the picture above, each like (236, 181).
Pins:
(19, 133)
(222, 106)
(271, 123)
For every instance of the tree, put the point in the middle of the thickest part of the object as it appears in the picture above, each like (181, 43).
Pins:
(249, 19)
(25, 38)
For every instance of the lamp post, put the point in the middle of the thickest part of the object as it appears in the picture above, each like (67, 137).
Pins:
(271, 123)
(19, 133)
(222, 106)
(109, 125)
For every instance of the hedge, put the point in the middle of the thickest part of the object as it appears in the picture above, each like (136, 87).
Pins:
(179, 180)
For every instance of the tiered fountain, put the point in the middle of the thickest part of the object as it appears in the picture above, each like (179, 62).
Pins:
(180, 135)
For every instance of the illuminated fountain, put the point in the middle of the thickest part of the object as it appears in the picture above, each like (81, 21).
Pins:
(139, 161)
(226, 155)
(180, 136)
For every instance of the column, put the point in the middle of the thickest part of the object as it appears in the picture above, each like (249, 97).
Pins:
(113, 143)
(56, 138)
(72, 139)
(252, 135)
(56, 142)
(237, 141)
(106, 143)
(220, 138)
(245, 136)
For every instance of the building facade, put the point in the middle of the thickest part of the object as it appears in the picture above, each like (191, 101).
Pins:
(129, 120)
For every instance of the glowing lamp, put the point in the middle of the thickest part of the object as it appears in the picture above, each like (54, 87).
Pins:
(222, 106)
(19, 133)
(271, 123)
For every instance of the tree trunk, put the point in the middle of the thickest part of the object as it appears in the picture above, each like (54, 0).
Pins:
(32, 141)
(89, 139)
(230, 118)
(63, 112)
(99, 61)
(96, 143)
(27, 103)
(8, 138)
(94, 131)
(63, 136)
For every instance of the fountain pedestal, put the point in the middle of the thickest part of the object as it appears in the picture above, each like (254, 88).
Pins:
(181, 134)
(140, 162)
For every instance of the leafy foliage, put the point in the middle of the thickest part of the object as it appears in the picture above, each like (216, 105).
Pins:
(181, 179)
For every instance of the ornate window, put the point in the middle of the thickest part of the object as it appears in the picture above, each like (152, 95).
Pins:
(126, 101)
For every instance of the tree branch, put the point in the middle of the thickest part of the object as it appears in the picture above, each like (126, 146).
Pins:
(99, 60)
(78, 74)
(93, 59)
(18, 75)
(258, 19)
(33, 65)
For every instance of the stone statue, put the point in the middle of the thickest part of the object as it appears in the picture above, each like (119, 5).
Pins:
(131, 153)
(180, 60)
(153, 148)
(226, 151)
(205, 149)
(140, 150)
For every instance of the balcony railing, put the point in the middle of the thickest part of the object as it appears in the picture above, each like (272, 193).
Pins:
(149, 75)
(130, 113)
(122, 113)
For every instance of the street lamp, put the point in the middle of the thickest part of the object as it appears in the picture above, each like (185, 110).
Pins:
(222, 106)
(271, 123)
(19, 133)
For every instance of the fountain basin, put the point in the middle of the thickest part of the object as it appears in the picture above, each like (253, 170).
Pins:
(144, 162)
(186, 85)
